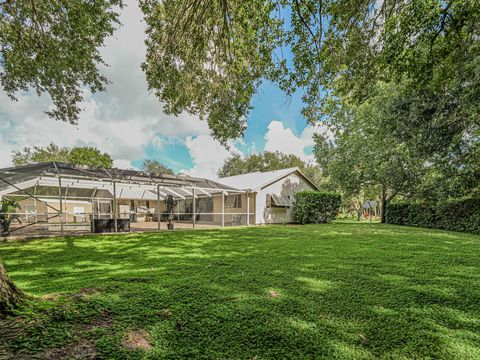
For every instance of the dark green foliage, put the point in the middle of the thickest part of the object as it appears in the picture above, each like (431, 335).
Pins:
(346, 291)
(8, 209)
(156, 167)
(456, 215)
(88, 156)
(209, 58)
(316, 207)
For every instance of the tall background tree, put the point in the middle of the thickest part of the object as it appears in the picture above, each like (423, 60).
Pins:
(366, 158)
(89, 156)
(268, 161)
(52, 47)
(156, 167)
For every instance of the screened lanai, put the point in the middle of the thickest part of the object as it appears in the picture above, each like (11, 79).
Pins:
(60, 198)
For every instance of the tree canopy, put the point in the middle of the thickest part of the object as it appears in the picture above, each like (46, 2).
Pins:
(52, 47)
(156, 167)
(382, 148)
(365, 156)
(268, 161)
(209, 58)
(88, 156)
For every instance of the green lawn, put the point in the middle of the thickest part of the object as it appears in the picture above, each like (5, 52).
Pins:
(344, 291)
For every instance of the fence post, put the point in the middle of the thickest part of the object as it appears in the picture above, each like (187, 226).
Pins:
(61, 203)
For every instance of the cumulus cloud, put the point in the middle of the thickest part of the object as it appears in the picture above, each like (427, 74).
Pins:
(280, 138)
(207, 155)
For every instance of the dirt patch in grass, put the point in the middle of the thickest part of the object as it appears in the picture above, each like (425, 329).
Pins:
(51, 297)
(82, 350)
(85, 292)
(274, 293)
(103, 320)
(137, 340)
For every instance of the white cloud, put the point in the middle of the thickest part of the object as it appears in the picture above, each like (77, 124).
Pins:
(207, 155)
(123, 164)
(280, 138)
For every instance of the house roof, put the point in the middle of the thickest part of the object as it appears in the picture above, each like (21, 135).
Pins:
(129, 183)
(258, 180)
(113, 174)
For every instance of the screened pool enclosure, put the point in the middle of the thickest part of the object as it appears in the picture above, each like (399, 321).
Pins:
(60, 198)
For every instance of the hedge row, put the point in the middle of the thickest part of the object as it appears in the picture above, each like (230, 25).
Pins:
(316, 207)
(459, 215)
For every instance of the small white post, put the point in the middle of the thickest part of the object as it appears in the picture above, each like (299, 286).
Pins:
(248, 208)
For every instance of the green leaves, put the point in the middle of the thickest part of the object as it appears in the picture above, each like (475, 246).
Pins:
(208, 57)
(52, 47)
(316, 207)
(458, 215)
(156, 167)
(88, 156)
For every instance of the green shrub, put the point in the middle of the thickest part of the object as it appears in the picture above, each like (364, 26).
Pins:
(456, 215)
(316, 207)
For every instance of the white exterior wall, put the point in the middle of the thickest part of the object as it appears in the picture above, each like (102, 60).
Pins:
(289, 185)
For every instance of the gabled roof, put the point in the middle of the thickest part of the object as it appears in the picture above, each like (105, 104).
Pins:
(258, 180)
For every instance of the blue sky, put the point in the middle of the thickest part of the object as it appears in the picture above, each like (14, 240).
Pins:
(128, 122)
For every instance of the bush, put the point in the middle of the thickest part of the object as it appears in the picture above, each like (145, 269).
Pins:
(316, 207)
(456, 215)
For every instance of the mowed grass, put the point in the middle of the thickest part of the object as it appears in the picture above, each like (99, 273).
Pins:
(337, 291)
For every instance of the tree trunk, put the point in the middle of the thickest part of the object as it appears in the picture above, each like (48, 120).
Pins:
(10, 295)
(384, 204)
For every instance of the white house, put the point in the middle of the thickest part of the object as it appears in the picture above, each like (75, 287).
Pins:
(274, 192)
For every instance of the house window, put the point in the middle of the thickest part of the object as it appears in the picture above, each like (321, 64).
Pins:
(233, 201)
(274, 200)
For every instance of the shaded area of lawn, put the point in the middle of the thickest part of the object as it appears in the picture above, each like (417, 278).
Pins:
(343, 291)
